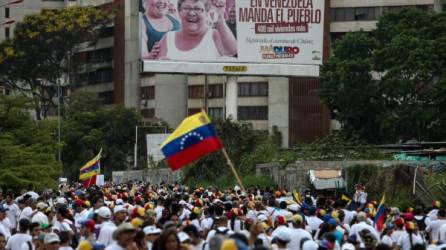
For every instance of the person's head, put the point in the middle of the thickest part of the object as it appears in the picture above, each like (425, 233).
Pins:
(282, 237)
(441, 213)
(35, 229)
(3, 210)
(62, 213)
(9, 197)
(123, 235)
(361, 217)
(104, 214)
(232, 16)
(298, 221)
(193, 14)
(152, 233)
(120, 213)
(222, 221)
(175, 219)
(51, 241)
(193, 233)
(169, 240)
(2, 242)
(64, 238)
(87, 227)
(156, 8)
(24, 225)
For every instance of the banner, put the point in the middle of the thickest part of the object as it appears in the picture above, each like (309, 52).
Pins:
(230, 31)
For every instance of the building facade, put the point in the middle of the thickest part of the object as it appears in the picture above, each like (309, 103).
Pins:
(289, 105)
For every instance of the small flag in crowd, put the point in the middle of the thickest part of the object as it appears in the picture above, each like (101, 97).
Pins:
(193, 139)
(296, 197)
(346, 198)
(380, 216)
(90, 170)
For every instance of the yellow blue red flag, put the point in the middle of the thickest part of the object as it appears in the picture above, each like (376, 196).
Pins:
(193, 139)
(91, 168)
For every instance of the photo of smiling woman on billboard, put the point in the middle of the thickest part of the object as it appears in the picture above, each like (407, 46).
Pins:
(188, 30)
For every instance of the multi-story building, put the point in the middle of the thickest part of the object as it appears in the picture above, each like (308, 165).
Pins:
(290, 104)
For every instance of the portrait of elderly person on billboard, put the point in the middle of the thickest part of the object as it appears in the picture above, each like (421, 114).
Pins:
(158, 18)
(204, 33)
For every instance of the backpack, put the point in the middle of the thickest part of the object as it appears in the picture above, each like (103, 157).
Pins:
(221, 232)
(421, 223)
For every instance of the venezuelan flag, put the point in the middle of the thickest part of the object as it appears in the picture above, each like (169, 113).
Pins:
(380, 216)
(91, 168)
(193, 139)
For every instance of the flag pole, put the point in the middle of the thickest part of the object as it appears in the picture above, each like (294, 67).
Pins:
(228, 160)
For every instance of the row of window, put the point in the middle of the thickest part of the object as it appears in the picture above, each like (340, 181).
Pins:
(368, 13)
(96, 77)
(244, 113)
(245, 89)
(95, 56)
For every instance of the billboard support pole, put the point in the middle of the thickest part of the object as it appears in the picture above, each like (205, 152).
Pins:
(231, 97)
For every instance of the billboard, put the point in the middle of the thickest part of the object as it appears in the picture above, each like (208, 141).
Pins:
(154, 142)
(232, 34)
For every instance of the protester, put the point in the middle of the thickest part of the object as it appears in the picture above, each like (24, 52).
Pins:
(16, 241)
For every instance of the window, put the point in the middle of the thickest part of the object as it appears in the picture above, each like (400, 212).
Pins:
(148, 93)
(148, 113)
(193, 111)
(107, 97)
(253, 113)
(7, 32)
(215, 91)
(7, 14)
(196, 92)
(103, 75)
(107, 32)
(216, 113)
(355, 14)
(99, 56)
(253, 89)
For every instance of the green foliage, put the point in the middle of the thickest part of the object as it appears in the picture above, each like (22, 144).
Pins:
(43, 49)
(437, 184)
(338, 146)
(27, 147)
(87, 128)
(395, 181)
(229, 182)
(405, 99)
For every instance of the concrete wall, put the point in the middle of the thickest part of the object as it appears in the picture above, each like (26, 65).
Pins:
(132, 63)
(278, 110)
(295, 176)
(369, 3)
(171, 98)
(155, 176)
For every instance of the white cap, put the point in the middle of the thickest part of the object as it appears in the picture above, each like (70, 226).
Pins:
(283, 234)
(104, 212)
(119, 208)
(119, 202)
(346, 246)
(310, 245)
(61, 201)
(182, 202)
(51, 238)
(183, 236)
(41, 205)
(294, 207)
(151, 230)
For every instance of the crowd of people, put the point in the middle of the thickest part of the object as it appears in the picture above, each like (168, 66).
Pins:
(140, 216)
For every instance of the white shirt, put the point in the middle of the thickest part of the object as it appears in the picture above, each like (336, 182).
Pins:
(64, 226)
(387, 240)
(206, 50)
(6, 227)
(40, 217)
(434, 229)
(78, 217)
(114, 246)
(5, 231)
(213, 232)
(26, 213)
(442, 233)
(16, 241)
(396, 235)
(404, 242)
(13, 214)
(106, 233)
(357, 228)
(25, 246)
(297, 234)
(314, 222)
(348, 216)
(65, 248)
(206, 224)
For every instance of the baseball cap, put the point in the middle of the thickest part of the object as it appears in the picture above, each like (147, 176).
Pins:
(124, 227)
(41, 205)
(310, 245)
(90, 224)
(3, 208)
(297, 218)
(149, 230)
(119, 208)
(51, 238)
(283, 235)
(104, 212)
(183, 237)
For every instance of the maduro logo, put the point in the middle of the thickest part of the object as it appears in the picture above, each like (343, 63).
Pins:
(278, 52)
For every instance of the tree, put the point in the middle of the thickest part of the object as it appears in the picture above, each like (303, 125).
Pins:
(42, 51)
(389, 85)
(88, 128)
(27, 147)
